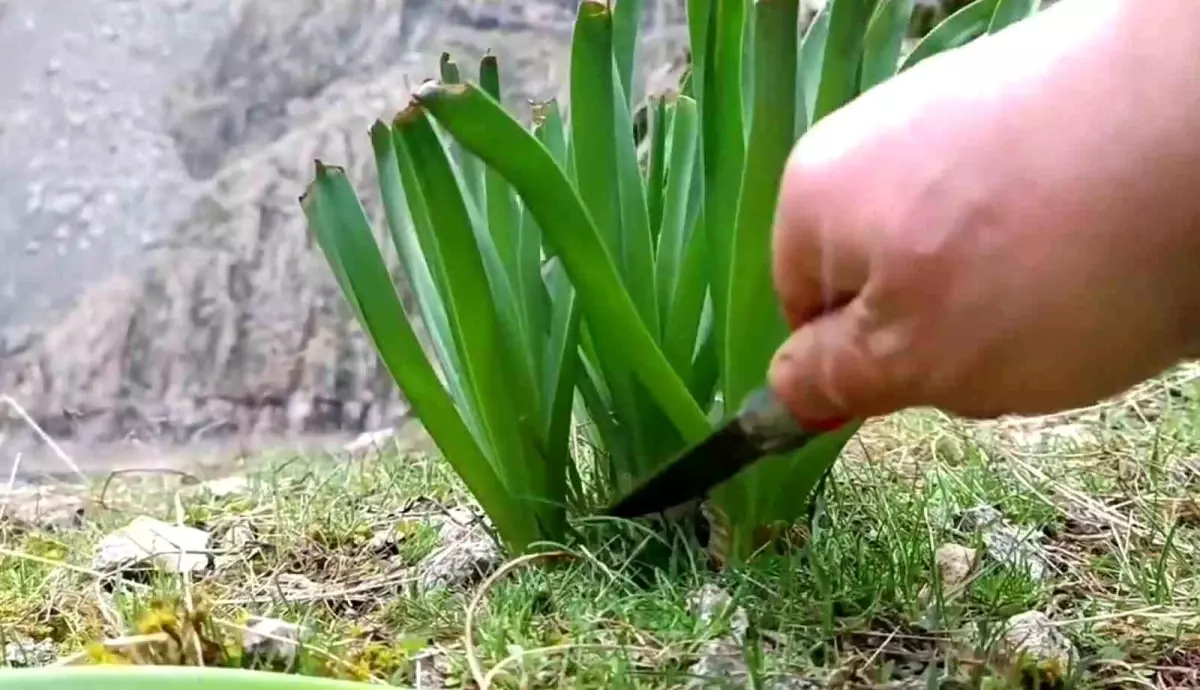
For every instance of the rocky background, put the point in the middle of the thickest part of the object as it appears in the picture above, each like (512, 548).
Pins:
(156, 285)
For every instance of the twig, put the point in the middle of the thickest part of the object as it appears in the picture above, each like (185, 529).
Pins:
(12, 480)
(320, 596)
(44, 436)
(140, 470)
(482, 679)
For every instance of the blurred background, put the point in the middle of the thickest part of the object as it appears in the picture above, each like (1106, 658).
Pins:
(159, 302)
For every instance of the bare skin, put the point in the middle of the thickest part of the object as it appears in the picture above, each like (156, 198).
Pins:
(1009, 228)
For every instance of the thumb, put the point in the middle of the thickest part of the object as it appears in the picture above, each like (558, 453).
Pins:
(834, 369)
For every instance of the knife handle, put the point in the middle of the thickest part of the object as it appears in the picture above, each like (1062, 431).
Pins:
(770, 426)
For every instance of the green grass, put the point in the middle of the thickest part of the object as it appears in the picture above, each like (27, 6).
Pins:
(1114, 489)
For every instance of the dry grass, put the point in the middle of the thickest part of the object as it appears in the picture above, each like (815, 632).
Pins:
(1112, 490)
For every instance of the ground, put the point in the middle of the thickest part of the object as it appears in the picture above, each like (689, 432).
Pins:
(1105, 499)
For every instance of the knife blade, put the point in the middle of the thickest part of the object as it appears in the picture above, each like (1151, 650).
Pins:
(763, 426)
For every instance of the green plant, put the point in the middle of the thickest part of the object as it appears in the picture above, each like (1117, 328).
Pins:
(563, 272)
(163, 678)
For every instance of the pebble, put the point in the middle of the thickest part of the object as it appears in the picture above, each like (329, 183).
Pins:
(271, 640)
(1033, 645)
(171, 548)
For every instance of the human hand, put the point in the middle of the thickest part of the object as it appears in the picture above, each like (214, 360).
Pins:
(1009, 228)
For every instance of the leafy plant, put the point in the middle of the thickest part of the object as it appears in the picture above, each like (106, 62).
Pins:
(164, 678)
(566, 273)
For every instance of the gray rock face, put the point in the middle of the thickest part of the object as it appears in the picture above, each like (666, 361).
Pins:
(278, 55)
(236, 325)
(231, 323)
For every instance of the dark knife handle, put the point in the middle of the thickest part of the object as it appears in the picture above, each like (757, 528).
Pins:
(770, 426)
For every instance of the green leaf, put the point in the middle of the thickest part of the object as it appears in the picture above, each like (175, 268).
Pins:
(754, 326)
(676, 233)
(503, 219)
(884, 41)
(723, 140)
(626, 16)
(656, 177)
(1009, 12)
(637, 249)
(404, 238)
(474, 320)
(957, 30)
(449, 69)
(340, 225)
(812, 55)
(561, 357)
(592, 114)
(848, 21)
(481, 126)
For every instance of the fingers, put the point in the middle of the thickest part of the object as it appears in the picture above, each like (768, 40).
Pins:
(817, 263)
(839, 367)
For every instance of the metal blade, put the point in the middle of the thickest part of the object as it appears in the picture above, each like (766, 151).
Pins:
(763, 426)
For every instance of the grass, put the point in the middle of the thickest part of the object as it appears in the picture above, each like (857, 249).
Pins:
(1113, 489)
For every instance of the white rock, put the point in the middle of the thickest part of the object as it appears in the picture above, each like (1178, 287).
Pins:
(955, 563)
(271, 640)
(370, 440)
(711, 604)
(226, 486)
(721, 664)
(1006, 543)
(30, 654)
(467, 554)
(1032, 644)
(172, 548)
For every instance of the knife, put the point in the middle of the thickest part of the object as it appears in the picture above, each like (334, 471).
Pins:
(763, 426)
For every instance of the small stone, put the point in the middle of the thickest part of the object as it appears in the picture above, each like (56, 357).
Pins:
(711, 604)
(793, 683)
(108, 31)
(30, 653)
(171, 548)
(467, 554)
(983, 515)
(226, 486)
(369, 440)
(955, 563)
(53, 66)
(431, 668)
(1006, 543)
(721, 664)
(1017, 549)
(271, 640)
(1032, 645)
(33, 247)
